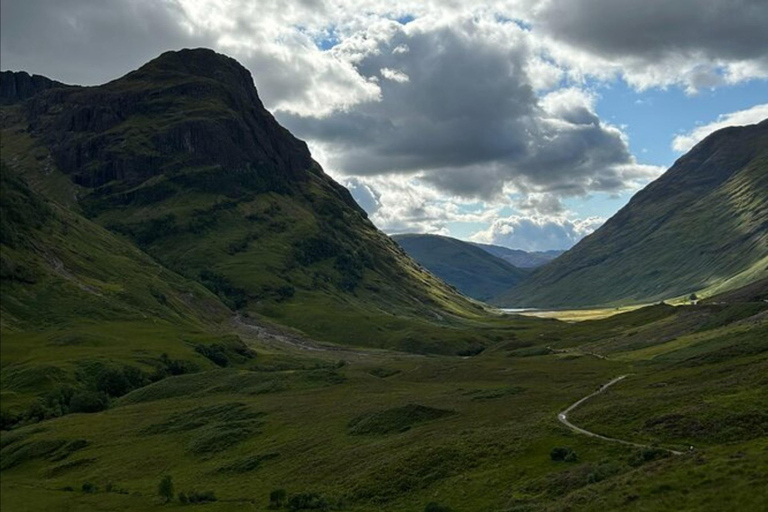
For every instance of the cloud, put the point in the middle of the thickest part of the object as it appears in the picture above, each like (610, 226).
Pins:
(402, 204)
(683, 143)
(537, 233)
(468, 119)
(696, 43)
(87, 42)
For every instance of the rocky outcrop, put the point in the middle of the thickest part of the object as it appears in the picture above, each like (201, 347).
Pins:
(191, 109)
(17, 86)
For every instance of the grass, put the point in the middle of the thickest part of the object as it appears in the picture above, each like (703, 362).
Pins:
(123, 362)
(480, 423)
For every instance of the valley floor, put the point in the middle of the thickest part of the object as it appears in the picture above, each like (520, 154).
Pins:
(359, 430)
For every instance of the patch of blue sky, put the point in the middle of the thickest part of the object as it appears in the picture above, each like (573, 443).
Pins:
(405, 19)
(653, 117)
(524, 25)
(598, 204)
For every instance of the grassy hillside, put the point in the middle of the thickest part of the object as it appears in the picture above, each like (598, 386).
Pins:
(181, 158)
(701, 226)
(387, 432)
(473, 271)
(78, 303)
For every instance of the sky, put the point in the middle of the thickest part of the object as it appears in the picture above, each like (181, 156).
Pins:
(522, 123)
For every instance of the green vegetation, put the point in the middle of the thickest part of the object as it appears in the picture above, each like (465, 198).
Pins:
(700, 228)
(481, 422)
(165, 488)
(472, 270)
(123, 361)
(398, 419)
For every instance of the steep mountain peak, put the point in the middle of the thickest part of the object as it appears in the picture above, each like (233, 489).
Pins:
(202, 63)
(189, 110)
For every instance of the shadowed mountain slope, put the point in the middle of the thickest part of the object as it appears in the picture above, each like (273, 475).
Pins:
(181, 158)
(702, 225)
(473, 271)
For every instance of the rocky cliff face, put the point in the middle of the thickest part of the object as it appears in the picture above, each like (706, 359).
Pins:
(17, 86)
(186, 109)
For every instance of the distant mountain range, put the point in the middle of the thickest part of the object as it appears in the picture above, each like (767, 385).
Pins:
(520, 258)
(471, 269)
(701, 227)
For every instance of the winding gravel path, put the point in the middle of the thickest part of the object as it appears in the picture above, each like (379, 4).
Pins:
(563, 418)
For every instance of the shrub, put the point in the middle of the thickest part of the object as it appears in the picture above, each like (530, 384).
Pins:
(307, 501)
(167, 366)
(201, 496)
(640, 457)
(216, 353)
(314, 249)
(277, 498)
(436, 507)
(560, 453)
(88, 401)
(165, 488)
(88, 487)
(112, 382)
(232, 296)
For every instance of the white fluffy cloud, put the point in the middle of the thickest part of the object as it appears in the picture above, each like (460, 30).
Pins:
(754, 115)
(537, 233)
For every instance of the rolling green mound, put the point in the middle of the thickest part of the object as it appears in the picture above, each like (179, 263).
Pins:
(702, 226)
(181, 159)
(473, 271)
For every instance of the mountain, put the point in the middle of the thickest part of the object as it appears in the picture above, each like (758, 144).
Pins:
(181, 159)
(473, 271)
(520, 258)
(700, 227)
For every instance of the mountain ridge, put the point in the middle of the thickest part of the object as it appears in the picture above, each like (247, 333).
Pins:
(701, 223)
(181, 158)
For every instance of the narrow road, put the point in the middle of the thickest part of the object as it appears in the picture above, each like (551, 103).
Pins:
(563, 418)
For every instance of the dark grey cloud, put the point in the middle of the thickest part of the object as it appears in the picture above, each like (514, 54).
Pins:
(653, 29)
(463, 113)
(89, 42)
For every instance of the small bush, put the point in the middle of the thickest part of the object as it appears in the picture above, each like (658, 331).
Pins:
(560, 453)
(165, 488)
(216, 353)
(436, 507)
(112, 382)
(640, 457)
(88, 401)
(277, 498)
(307, 501)
(201, 496)
(88, 487)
